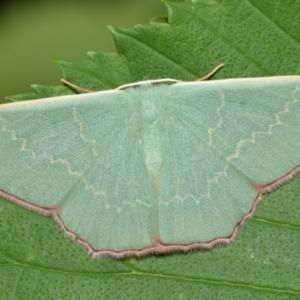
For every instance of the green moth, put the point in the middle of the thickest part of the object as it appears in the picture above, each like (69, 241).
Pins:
(154, 166)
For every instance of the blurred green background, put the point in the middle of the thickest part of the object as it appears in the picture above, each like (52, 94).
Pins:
(32, 33)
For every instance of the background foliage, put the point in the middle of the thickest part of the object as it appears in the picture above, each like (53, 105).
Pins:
(34, 32)
(253, 38)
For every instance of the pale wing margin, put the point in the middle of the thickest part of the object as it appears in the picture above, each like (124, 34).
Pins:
(76, 157)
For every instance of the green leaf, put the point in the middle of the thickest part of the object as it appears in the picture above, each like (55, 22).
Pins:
(253, 38)
(42, 91)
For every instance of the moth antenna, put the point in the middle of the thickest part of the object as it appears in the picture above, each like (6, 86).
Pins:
(215, 70)
(64, 81)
